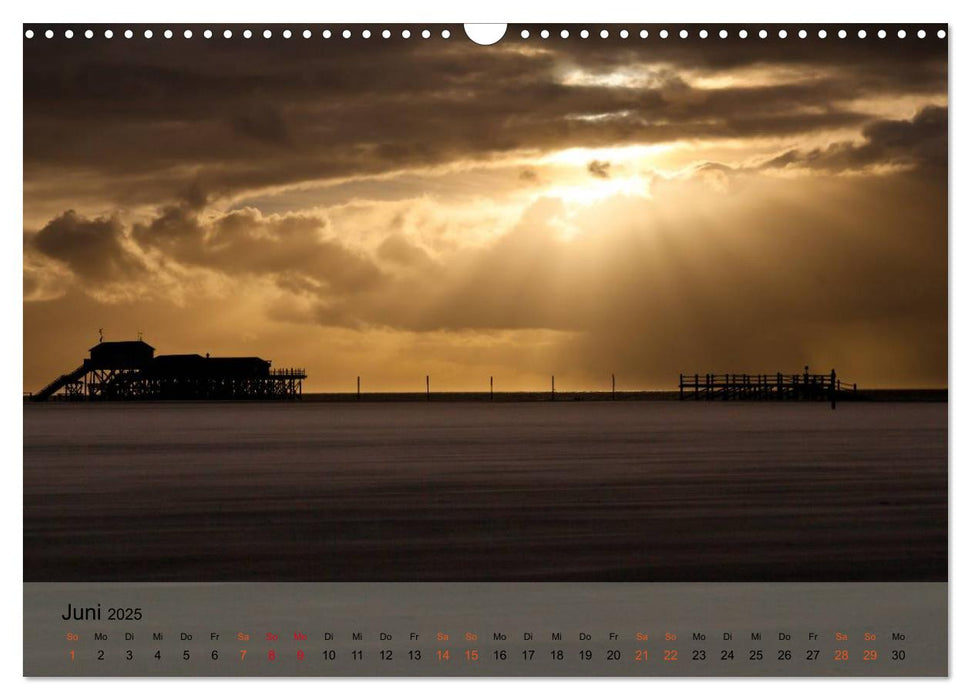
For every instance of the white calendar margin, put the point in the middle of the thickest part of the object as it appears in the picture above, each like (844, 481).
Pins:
(183, 11)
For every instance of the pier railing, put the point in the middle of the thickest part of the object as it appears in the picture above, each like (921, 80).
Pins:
(289, 373)
(778, 386)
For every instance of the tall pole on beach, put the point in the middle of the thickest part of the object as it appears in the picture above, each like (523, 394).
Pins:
(552, 387)
(359, 387)
(490, 388)
(428, 391)
(613, 387)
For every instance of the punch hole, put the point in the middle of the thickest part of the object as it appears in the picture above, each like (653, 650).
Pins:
(485, 34)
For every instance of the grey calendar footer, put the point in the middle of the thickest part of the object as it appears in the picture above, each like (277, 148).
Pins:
(485, 629)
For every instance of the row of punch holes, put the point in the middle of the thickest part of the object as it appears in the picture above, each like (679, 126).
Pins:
(524, 34)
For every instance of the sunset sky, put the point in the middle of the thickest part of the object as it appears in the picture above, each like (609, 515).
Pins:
(393, 208)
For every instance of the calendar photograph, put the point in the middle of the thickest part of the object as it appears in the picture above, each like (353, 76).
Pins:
(582, 249)
(380, 304)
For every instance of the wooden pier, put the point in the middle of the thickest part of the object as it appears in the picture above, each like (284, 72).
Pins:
(765, 387)
(130, 371)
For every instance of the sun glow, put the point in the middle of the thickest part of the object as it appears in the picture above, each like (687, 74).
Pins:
(585, 176)
(596, 190)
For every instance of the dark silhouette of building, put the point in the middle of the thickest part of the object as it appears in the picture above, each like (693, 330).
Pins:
(130, 370)
(125, 354)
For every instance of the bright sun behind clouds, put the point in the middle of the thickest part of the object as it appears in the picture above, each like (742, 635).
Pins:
(587, 176)
(593, 190)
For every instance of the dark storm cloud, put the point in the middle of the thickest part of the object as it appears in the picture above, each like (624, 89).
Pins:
(93, 249)
(241, 115)
(920, 143)
(291, 247)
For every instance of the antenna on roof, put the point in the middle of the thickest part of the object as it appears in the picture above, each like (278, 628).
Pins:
(139, 335)
(101, 335)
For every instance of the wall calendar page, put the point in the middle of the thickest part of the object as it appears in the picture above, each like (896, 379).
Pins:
(558, 350)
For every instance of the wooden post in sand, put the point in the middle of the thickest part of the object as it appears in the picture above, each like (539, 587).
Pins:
(832, 389)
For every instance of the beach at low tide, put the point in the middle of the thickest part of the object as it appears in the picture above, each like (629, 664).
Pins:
(480, 491)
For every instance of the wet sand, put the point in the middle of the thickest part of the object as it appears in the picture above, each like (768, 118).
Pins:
(571, 491)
